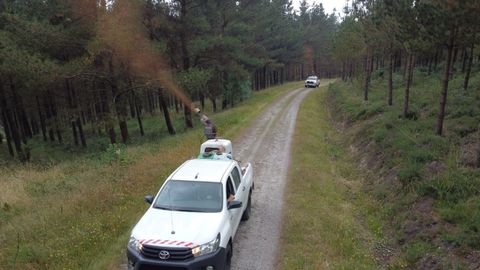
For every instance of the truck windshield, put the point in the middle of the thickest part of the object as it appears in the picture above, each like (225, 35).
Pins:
(190, 196)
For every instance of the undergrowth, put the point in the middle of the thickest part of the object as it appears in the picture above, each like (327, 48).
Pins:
(430, 188)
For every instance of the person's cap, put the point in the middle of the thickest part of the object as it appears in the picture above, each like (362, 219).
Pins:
(196, 110)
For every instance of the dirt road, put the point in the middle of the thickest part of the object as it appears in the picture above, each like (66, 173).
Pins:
(267, 146)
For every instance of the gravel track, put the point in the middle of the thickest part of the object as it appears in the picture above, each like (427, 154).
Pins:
(267, 146)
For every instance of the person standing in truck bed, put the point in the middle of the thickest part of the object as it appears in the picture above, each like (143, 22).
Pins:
(210, 130)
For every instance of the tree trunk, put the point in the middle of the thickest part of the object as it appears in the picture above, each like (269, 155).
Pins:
(59, 133)
(51, 135)
(430, 61)
(111, 132)
(23, 125)
(390, 77)
(406, 101)
(34, 125)
(42, 120)
(80, 132)
(446, 77)
(74, 132)
(214, 104)
(122, 123)
(367, 77)
(6, 124)
(188, 116)
(16, 136)
(53, 107)
(131, 103)
(464, 60)
(8, 136)
(166, 113)
(11, 129)
(176, 105)
(139, 116)
(469, 67)
(452, 65)
(224, 103)
(202, 100)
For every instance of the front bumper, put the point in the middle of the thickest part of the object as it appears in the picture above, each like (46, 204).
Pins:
(137, 261)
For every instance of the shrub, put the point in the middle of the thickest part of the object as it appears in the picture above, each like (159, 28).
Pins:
(467, 216)
(451, 187)
(409, 174)
(420, 155)
(116, 153)
(415, 251)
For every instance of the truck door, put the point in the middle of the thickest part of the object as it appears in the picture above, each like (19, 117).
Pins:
(240, 186)
(235, 214)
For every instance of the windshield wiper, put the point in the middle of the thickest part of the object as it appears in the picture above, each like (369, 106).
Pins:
(185, 210)
(163, 208)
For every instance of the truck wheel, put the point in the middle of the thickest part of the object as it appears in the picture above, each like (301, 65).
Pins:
(248, 210)
(228, 257)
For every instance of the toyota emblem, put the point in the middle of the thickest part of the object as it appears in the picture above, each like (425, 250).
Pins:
(164, 255)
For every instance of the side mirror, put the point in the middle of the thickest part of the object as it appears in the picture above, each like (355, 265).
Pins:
(149, 199)
(234, 204)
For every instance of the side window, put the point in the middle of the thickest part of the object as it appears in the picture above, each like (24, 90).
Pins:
(236, 176)
(229, 187)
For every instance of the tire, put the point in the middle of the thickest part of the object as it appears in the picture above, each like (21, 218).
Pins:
(228, 257)
(246, 214)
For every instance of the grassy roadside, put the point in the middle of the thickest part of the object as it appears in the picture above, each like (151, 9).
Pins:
(77, 214)
(328, 222)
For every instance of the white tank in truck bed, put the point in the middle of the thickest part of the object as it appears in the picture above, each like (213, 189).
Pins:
(219, 145)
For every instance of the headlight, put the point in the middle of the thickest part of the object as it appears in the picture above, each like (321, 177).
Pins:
(135, 244)
(207, 248)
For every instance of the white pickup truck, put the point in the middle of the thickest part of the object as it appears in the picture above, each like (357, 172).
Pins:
(312, 81)
(192, 221)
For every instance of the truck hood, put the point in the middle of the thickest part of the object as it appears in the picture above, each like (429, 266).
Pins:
(191, 228)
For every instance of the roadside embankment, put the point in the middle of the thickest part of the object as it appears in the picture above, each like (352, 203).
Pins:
(427, 185)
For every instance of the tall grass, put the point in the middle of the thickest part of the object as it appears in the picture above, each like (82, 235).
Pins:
(77, 213)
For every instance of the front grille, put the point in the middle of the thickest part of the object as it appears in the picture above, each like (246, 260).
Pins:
(156, 267)
(176, 254)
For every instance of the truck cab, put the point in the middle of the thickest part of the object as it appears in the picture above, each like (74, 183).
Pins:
(191, 222)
